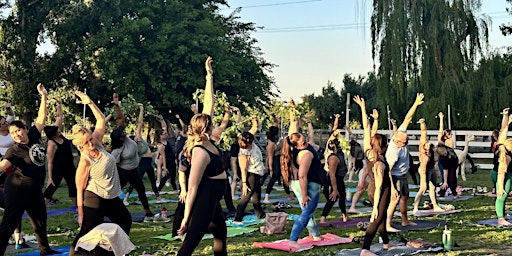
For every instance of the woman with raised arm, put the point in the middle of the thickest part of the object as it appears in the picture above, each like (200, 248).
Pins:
(146, 158)
(336, 168)
(23, 186)
(374, 148)
(207, 181)
(125, 150)
(502, 164)
(166, 158)
(97, 180)
(426, 169)
(505, 120)
(252, 169)
(301, 170)
(274, 146)
(59, 151)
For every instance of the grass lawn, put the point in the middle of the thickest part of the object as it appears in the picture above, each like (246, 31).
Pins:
(471, 239)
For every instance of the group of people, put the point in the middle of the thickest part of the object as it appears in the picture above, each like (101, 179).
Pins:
(95, 185)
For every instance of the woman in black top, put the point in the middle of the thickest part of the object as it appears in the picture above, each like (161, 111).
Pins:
(207, 181)
(23, 186)
(375, 148)
(59, 151)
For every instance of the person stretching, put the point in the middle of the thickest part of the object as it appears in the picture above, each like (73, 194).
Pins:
(504, 180)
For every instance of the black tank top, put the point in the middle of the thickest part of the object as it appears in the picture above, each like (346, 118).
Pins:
(214, 168)
(386, 182)
(170, 157)
(63, 154)
(315, 169)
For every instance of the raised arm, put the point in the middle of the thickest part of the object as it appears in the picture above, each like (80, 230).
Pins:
(59, 116)
(223, 124)
(99, 127)
(505, 121)
(375, 125)
(182, 124)
(209, 99)
(140, 121)
(423, 136)
(336, 122)
(254, 126)
(238, 113)
(393, 124)
(293, 119)
(311, 132)
(120, 120)
(367, 137)
(10, 113)
(408, 117)
(441, 126)
(41, 114)
(503, 160)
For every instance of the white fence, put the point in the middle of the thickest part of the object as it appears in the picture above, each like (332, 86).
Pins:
(479, 149)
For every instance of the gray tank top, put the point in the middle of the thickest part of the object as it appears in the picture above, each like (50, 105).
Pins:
(129, 155)
(103, 176)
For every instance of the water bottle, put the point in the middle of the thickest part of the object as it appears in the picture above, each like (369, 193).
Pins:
(164, 213)
(349, 195)
(447, 239)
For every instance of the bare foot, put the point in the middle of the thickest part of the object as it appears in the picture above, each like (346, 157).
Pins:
(386, 246)
(392, 230)
(415, 210)
(365, 252)
(293, 244)
(438, 209)
(291, 198)
(266, 201)
(322, 219)
(408, 223)
(317, 238)
(504, 222)
(345, 217)
(352, 210)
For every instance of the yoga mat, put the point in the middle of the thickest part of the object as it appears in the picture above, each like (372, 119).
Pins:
(413, 186)
(122, 196)
(282, 199)
(399, 249)
(450, 198)
(64, 251)
(351, 190)
(138, 216)
(359, 210)
(250, 220)
(304, 243)
(163, 201)
(271, 195)
(492, 222)
(426, 213)
(421, 225)
(320, 205)
(56, 212)
(232, 232)
(11, 250)
(413, 194)
(338, 223)
(150, 193)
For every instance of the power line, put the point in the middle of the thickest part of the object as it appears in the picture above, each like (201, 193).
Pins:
(274, 4)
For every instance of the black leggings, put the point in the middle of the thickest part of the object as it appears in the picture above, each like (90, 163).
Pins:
(171, 177)
(95, 209)
(69, 176)
(178, 217)
(227, 197)
(2, 204)
(379, 224)
(452, 181)
(133, 177)
(18, 199)
(255, 193)
(206, 216)
(341, 197)
(145, 166)
(276, 175)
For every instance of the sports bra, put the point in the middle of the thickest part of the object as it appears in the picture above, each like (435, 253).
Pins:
(214, 168)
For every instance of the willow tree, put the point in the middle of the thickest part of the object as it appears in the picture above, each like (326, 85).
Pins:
(427, 46)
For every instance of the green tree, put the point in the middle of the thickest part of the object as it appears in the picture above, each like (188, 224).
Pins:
(506, 29)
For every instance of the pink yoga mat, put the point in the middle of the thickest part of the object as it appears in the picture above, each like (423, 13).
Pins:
(305, 243)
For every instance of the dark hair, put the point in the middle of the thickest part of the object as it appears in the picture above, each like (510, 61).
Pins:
(379, 143)
(245, 140)
(333, 144)
(18, 124)
(115, 137)
(158, 133)
(51, 131)
(273, 134)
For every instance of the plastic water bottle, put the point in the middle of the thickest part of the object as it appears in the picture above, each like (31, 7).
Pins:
(447, 239)
(349, 195)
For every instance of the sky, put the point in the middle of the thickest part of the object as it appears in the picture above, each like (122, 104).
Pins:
(316, 41)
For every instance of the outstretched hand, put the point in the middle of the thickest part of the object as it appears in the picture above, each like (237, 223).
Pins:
(84, 98)
(393, 121)
(505, 111)
(419, 99)
(208, 65)
(375, 114)
(359, 101)
(421, 121)
(41, 90)
(440, 115)
(115, 99)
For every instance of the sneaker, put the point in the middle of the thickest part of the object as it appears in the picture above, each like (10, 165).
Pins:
(22, 245)
(160, 218)
(126, 203)
(149, 218)
(157, 184)
(167, 184)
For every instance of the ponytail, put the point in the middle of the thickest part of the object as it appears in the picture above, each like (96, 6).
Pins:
(286, 157)
(502, 160)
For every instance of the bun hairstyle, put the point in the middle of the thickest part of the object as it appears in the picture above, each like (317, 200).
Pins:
(51, 131)
(245, 140)
(199, 130)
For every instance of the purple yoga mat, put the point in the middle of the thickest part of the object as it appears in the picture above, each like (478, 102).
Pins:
(338, 223)
(56, 212)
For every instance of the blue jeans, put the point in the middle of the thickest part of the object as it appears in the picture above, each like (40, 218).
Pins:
(307, 217)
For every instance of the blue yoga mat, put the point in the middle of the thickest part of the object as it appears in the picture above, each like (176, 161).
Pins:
(64, 251)
(56, 212)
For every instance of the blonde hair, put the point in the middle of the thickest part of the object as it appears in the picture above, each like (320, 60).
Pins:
(78, 133)
(198, 129)
(502, 160)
